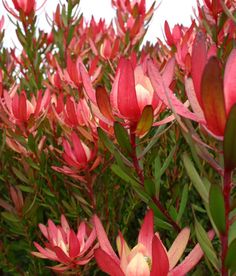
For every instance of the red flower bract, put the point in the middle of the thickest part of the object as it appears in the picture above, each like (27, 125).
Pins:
(149, 257)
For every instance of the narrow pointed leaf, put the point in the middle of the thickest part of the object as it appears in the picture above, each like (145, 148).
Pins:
(146, 121)
(217, 207)
(183, 203)
(107, 142)
(230, 141)
(161, 86)
(195, 178)
(191, 260)
(213, 97)
(125, 176)
(122, 137)
(103, 240)
(230, 257)
(206, 245)
(149, 186)
(178, 247)
(232, 232)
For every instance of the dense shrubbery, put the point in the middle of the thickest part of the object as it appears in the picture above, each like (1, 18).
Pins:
(102, 134)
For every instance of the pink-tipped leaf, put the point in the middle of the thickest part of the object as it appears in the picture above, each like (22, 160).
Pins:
(177, 248)
(161, 87)
(146, 232)
(191, 260)
(103, 240)
(160, 262)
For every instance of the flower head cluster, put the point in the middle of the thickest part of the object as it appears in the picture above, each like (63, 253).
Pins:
(65, 246)
(149, 257)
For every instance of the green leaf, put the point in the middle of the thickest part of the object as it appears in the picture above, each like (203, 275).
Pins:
(217, 207)
(146, 121)
(10, 217)
(229, 140)
(195, 178)
(157, 175)
(167, 161)
(20, 175)
(230, 257)
(123, 175)
(135, 184)
(161, 224)
(149, 187)
(26, 189)
(206, 245)
(33, 164)
(31, 143)
(120, 158)
(183, 203)
(106, 141)
(159, 133)
(122, 137)
(232, 232)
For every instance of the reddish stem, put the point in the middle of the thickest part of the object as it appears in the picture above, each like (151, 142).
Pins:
(224, 236)
(135, 158)
(89, 184)
(140, 174)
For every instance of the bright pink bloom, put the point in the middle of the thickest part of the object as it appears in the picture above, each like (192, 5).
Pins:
(181, 38)
(25, 6)
(132, 94)
(110, 49)
(78, 157)
(132, 91)
(210, 96)
(131, 18)
(214, 94)
(78, 114)
(65, 246)
(72, 71)
(149, 257)
(20, 109)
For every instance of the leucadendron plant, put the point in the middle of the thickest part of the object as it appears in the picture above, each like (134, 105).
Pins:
(121, 138)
